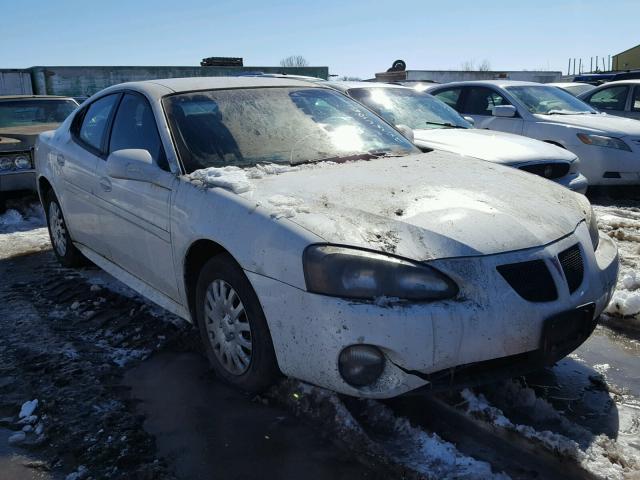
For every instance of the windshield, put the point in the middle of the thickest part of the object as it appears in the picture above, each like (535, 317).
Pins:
(547, 100)
(17, 113)
(403, 106)
(243, 127)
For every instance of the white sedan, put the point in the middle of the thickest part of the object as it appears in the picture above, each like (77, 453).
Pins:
(304, 235)
(608, 146)
(434, 124)
(620, 98)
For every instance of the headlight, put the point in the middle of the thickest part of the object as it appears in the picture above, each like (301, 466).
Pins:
(22, 162)
(603, 141)
(353, 273)
(6, 163)
(592, 220)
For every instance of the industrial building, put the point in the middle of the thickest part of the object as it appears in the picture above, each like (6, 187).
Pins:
(627, 60)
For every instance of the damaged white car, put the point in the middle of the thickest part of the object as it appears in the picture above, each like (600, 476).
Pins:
(304, 235)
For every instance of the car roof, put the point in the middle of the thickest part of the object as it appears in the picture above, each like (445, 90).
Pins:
(347, 85)
(496, 83)
(161, 87)
(634, 81)
(41, 97)
(568, 84)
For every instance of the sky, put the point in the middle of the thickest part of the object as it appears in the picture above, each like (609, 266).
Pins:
(353, 38)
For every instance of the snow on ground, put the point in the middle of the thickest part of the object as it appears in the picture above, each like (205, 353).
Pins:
(623, 225)
(23, 228)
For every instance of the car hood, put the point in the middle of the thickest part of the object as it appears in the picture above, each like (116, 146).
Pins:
(427, 206)
(498, 147)
(22, 138)
(602, 123)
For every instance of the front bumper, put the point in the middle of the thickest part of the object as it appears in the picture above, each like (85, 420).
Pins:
(18, 180)
(596, 162)
(488, 320)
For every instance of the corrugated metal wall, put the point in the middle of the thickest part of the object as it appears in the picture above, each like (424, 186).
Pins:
(15, 82)
(85, 81)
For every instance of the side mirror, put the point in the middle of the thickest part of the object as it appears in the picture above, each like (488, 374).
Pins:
(406, 131)
(134, 164)
(504, 111)
(470, 120)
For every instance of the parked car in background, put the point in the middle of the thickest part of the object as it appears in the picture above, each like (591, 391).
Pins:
(436, 125)
(302, 233)
(616, 98)
(574, 88)
(608, 146)
(22, 118)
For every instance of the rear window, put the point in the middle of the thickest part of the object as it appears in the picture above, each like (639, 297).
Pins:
(17, 113)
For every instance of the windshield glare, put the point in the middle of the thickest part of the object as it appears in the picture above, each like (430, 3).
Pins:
(549, 100)
(17, 113)
(243, 127)
(403, 106)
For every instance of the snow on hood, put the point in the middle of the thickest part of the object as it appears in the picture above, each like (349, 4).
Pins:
(497, 147)
(424, 206)
(607, 124)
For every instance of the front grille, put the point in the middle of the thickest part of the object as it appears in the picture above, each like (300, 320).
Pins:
(572, 266)
(548, 170)
(531, 280)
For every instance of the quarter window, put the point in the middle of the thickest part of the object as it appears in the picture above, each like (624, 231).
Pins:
(450, 97)
(480, 101)
(135, 127)
(613, 98)
(95, 121)
(635, 103)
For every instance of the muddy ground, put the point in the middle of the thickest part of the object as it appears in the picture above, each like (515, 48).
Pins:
(123, 391)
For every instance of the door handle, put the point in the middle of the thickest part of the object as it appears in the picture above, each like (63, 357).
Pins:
(60, 159)
(105, 183)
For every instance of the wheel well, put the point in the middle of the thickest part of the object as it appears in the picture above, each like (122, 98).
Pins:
(199, 252)
(555, 143)
(43, 188)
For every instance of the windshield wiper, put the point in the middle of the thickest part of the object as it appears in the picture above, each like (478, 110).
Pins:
(350, 158)
(445, 124)
(567, 112)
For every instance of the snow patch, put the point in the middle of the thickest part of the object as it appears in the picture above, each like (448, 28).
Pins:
(10, 217)
(229, 178)
(287, 207)
(28, 408)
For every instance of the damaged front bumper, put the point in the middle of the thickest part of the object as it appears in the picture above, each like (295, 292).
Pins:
(488, 321)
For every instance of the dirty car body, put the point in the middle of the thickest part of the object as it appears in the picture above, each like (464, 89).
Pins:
(22, 119)
(377, 267)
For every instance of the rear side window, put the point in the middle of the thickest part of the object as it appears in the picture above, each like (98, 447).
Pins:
(96, 119)
(635, 102)
(480, 101)
(613, 98)
(135, 127)
(450, 97)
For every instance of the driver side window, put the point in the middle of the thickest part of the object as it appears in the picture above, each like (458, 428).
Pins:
(481, 100)
(135, 127)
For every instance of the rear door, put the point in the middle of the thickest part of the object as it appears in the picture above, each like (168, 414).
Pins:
(77, 161)
(135, 214)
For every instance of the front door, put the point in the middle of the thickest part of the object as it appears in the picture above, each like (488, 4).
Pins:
(478, 103)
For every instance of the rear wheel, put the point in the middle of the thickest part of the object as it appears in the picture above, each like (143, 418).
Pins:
(63, 247)
(233, 327)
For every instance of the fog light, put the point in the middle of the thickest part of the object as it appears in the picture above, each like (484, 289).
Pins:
(361, 365)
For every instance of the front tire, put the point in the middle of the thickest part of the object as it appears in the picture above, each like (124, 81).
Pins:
(233, 327)
(64, 249)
